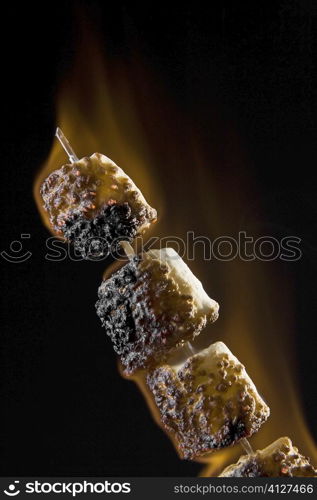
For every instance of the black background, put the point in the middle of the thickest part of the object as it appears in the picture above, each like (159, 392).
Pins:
(60, 406)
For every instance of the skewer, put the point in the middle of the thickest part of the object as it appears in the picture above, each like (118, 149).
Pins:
(246, 446)
(191, 348)
(66, 146)
(128, 249)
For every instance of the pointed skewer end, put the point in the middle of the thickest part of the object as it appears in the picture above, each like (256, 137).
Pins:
(66, 145)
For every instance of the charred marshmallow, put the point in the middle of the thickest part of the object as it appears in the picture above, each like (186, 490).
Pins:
(151, 305)
(208, 402)
(94, 204)
(280, 458)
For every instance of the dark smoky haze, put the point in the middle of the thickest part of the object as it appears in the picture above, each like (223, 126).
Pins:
(212, 112)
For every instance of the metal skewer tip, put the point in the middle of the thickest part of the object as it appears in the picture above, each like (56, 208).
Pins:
(65, 144)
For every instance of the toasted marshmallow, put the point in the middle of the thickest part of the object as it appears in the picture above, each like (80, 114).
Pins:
(208, 402)
(280, 458)
(151, 305)
(93, 199)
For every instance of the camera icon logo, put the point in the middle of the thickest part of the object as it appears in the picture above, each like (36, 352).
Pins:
(13, 491)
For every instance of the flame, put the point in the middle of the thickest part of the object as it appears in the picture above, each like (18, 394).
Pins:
(202, 181)
(97, 111)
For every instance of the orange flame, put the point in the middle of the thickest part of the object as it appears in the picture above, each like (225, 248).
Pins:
(118, 110)
(97, 112)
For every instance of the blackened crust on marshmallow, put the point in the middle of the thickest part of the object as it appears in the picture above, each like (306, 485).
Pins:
(114, 311)
(100, 236)
(144, 314)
